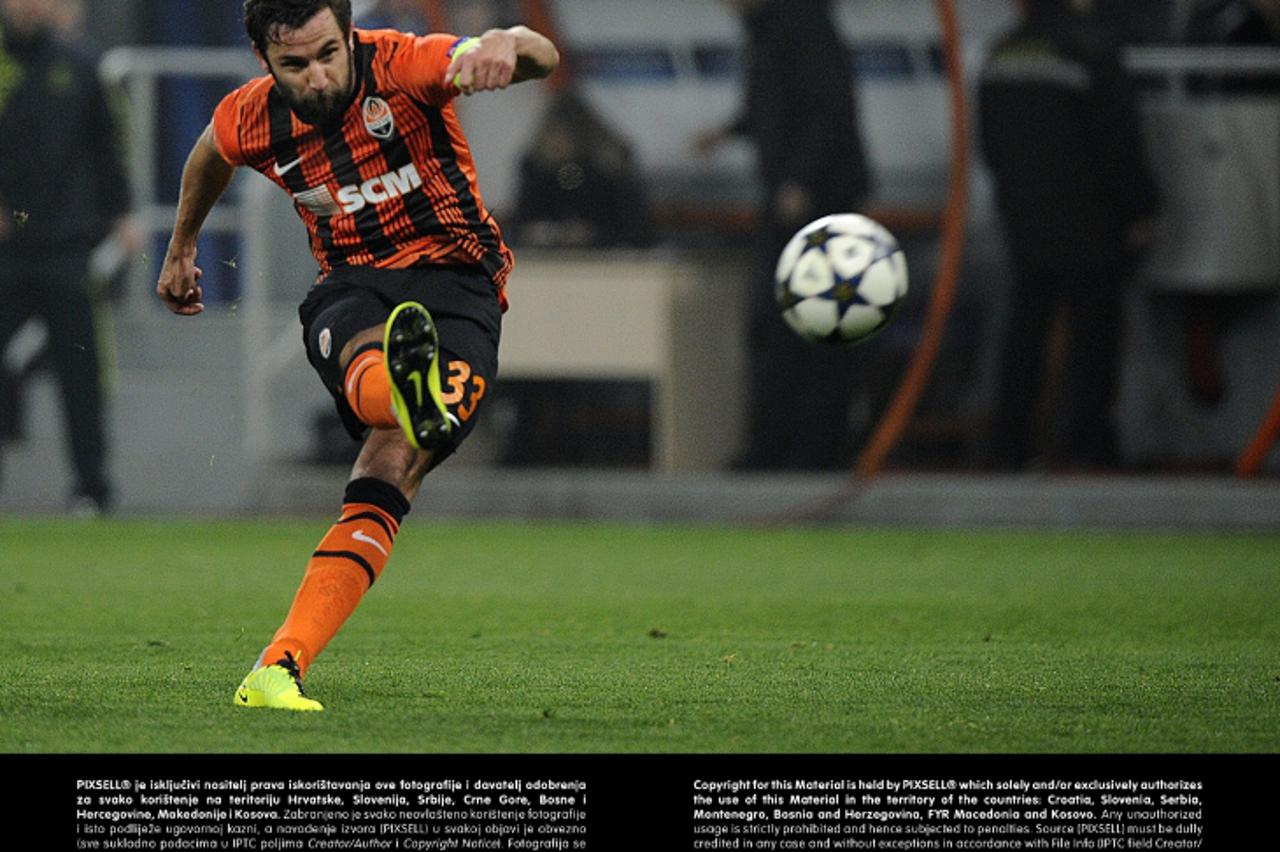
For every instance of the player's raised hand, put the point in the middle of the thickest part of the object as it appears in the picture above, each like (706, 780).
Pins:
(179, 286)
(483, 64)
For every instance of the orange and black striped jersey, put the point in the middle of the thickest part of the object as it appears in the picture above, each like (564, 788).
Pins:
(394, 185)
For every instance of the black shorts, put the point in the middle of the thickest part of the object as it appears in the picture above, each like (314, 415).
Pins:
(462, 300)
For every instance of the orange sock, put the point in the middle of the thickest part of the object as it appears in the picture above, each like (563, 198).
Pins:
(345, 565)
(368, 390)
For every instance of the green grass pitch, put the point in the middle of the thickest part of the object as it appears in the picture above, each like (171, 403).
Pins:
(130, 636)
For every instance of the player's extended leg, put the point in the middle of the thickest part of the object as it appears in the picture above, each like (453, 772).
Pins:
(345, 565)
(397, 392)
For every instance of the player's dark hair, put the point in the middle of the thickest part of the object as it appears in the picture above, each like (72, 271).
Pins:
(263, 19)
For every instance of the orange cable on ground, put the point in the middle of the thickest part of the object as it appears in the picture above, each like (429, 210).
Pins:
(1250, 461)
(898, 416)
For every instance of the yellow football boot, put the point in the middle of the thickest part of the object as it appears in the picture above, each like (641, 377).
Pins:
(277, 685)
(411, 349)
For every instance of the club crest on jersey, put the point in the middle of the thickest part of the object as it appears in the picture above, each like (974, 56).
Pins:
(378, 119)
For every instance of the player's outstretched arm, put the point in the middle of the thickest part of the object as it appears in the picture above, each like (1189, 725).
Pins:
(204, 178)
(501, 57)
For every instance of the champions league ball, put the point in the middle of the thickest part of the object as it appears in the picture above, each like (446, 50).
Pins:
(840, 279)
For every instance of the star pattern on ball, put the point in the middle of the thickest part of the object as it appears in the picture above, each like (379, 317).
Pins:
(844, 291)
(818, 238)
(845, 294)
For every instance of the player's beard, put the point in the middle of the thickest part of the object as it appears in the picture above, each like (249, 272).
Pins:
(325, 108)
(322, 109)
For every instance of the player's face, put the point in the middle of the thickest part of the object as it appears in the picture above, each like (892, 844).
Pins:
(313, 67)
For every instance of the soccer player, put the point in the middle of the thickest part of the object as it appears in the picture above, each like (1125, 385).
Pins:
(402, 324)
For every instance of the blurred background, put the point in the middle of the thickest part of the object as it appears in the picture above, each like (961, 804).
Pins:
(624, 355)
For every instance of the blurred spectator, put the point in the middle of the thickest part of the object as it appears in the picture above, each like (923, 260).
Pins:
(1139, 21)
(465, 17)
(1238, 23)
(62, 192)
(578, 183)
(473, 17)
(67, 18)
(1241, 22)
(800, 113)
(1060, 130)
(1208, 316)
(403, 15)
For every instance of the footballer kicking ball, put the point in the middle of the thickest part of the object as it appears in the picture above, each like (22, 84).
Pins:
(840, 279)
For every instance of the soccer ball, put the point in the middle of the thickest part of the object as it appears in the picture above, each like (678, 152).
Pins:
(840, 279)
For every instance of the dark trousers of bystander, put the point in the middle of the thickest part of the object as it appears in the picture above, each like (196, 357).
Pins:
(798, 393)
(1063, 336)
(54, 290)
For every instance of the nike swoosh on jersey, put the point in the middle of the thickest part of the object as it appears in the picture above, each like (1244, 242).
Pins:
(280, 170)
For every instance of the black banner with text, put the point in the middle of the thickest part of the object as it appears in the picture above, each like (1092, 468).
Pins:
(660, 802)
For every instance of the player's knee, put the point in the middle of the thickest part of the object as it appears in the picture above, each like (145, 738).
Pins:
(367, 339)
(337, 333)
